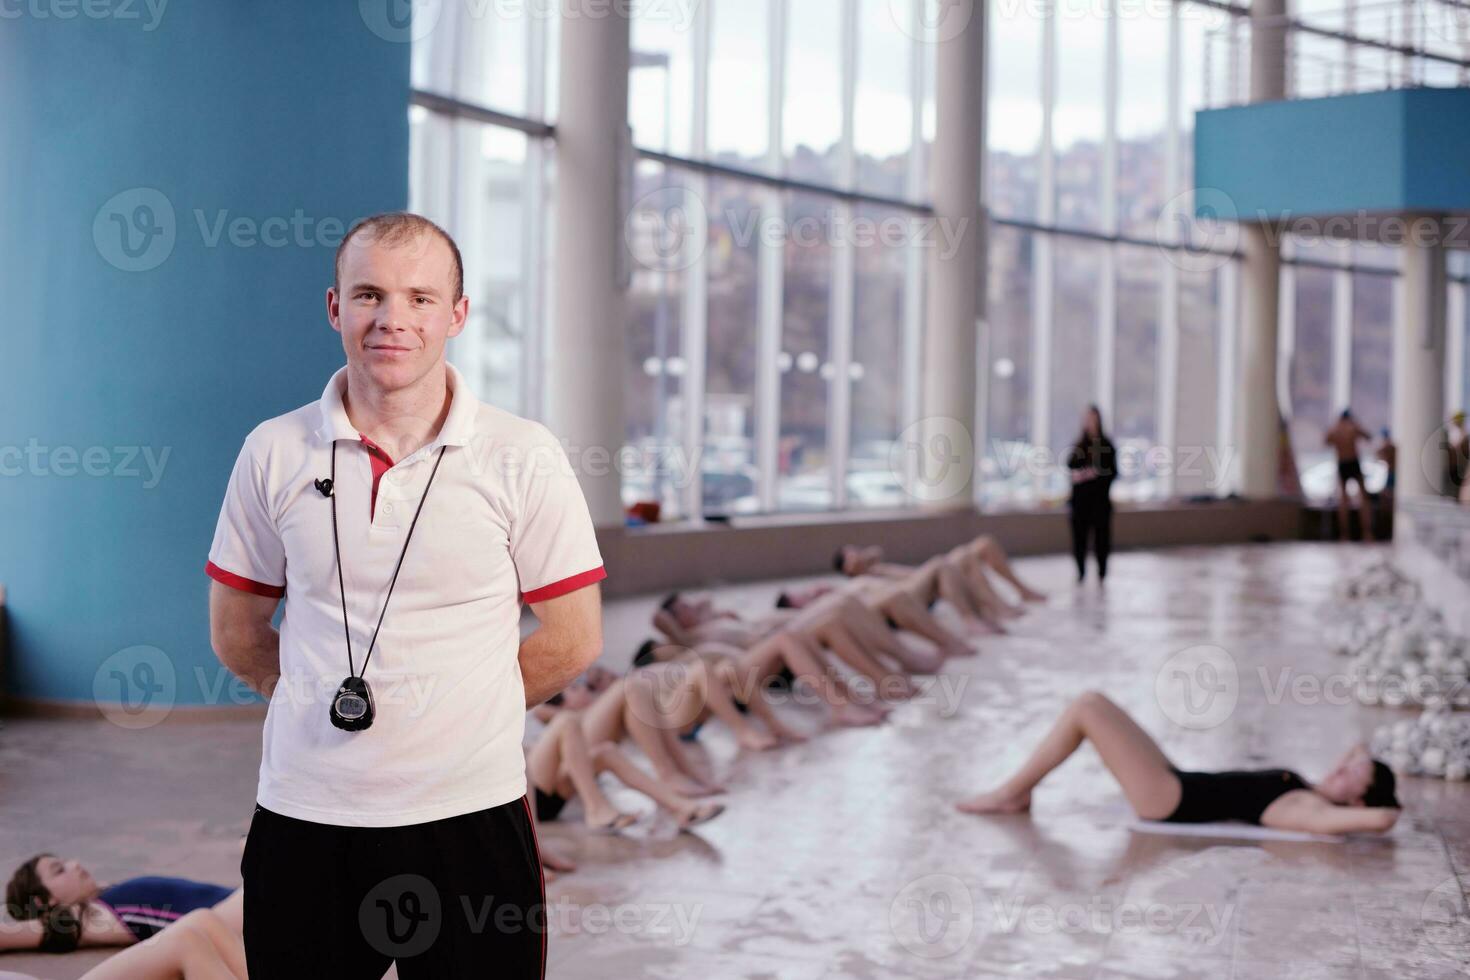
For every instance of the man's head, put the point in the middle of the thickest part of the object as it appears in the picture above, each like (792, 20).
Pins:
(398, 296)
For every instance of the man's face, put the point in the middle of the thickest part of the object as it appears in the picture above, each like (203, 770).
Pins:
(396, 308)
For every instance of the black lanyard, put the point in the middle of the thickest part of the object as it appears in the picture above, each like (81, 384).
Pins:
(337, 550)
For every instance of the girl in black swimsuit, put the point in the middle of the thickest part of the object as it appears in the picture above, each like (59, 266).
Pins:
(1357, 795)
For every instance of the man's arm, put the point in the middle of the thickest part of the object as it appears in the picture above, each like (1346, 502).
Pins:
(566, 643)
(243, 638)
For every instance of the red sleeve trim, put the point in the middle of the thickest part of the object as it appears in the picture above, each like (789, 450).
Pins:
(566, 585)
(242, 583)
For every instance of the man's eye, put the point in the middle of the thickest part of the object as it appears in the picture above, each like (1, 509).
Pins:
(422, 300)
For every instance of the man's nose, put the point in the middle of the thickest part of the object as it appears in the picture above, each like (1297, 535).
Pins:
(392, 313)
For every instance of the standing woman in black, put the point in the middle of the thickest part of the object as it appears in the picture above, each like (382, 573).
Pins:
(1093, 463)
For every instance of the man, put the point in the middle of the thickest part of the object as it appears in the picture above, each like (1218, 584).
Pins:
(405, 523)
(1344, 437)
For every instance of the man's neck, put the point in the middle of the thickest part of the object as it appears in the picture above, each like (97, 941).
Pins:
(403, 420)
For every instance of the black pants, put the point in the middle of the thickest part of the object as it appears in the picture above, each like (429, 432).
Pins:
(1098, 522)
(459, 897)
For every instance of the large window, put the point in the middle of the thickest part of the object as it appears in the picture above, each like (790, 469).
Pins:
(1078, 117)
(1006, 475)
(1372, 352)
(1014, 111)
(800, 314)
(490, 184)
(1312, 402)
(655, 393)
(1135, 370)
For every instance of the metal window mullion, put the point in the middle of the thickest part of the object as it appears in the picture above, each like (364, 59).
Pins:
(1286, 336)
(1168, 367)
(696, 274)
(772, 282)
(914, 298)
(1043, 302)
(533, 233)
(843, 287)
(1228, 339)
(1342, 339)
(1105, 378)
(1166, 384)
(1455, 380)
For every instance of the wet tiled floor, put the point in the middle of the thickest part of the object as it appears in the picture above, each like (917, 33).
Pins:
(842, 856)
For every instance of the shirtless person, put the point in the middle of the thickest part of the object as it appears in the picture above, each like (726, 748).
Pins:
(839, 623)
(960, 576)
(1344, 437)
(584, 728)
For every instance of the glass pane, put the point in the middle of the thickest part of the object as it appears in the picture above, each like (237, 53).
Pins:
(473, 179)
(812, 125)
(660, 85)
(1078, 269)
(803, 479)
(1143, 47)
(1004, 477)
(1311, 382)
(1372, 350)
(739, 82)
(475, 56)
(1013, 127)
(1199, 459)
(729, 464)
(1077, 120)
(883, 121)
(655, 367)
(1135, 371)
(876, 371)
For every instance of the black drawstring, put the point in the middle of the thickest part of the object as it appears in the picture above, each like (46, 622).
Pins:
(337, 550)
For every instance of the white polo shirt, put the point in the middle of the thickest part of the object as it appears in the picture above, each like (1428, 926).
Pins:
(505, 523)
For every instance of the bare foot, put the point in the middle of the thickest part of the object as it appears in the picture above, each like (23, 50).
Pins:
(757, 741)
(1031, 595)
(698, 813)
(996, 802)
(687, 786)
(957, 649)
(788, 735)
(616, 823)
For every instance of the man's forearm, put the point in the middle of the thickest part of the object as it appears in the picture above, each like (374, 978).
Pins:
(256, 661)
(549, 662)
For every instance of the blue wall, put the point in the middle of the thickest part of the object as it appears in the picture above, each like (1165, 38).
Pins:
(273, 109)
(1380, 151)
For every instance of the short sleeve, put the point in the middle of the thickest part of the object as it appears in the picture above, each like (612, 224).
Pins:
(553, 544)
(247, 553)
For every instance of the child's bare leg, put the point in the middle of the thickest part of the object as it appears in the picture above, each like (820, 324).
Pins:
(988, 550)
(993, 607)
(802, 655)
(654, 733)
(837, 637)
(560, 762)
(1134, 759)
(721, 690)
(955, 589)
(910, 614)
(609, 758)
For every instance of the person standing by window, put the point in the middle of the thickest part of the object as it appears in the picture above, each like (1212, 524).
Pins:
(1093, 464)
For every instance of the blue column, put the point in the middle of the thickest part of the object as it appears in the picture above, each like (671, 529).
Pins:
(174, 181)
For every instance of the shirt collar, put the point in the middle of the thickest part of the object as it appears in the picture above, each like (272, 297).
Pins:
(458, 428)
